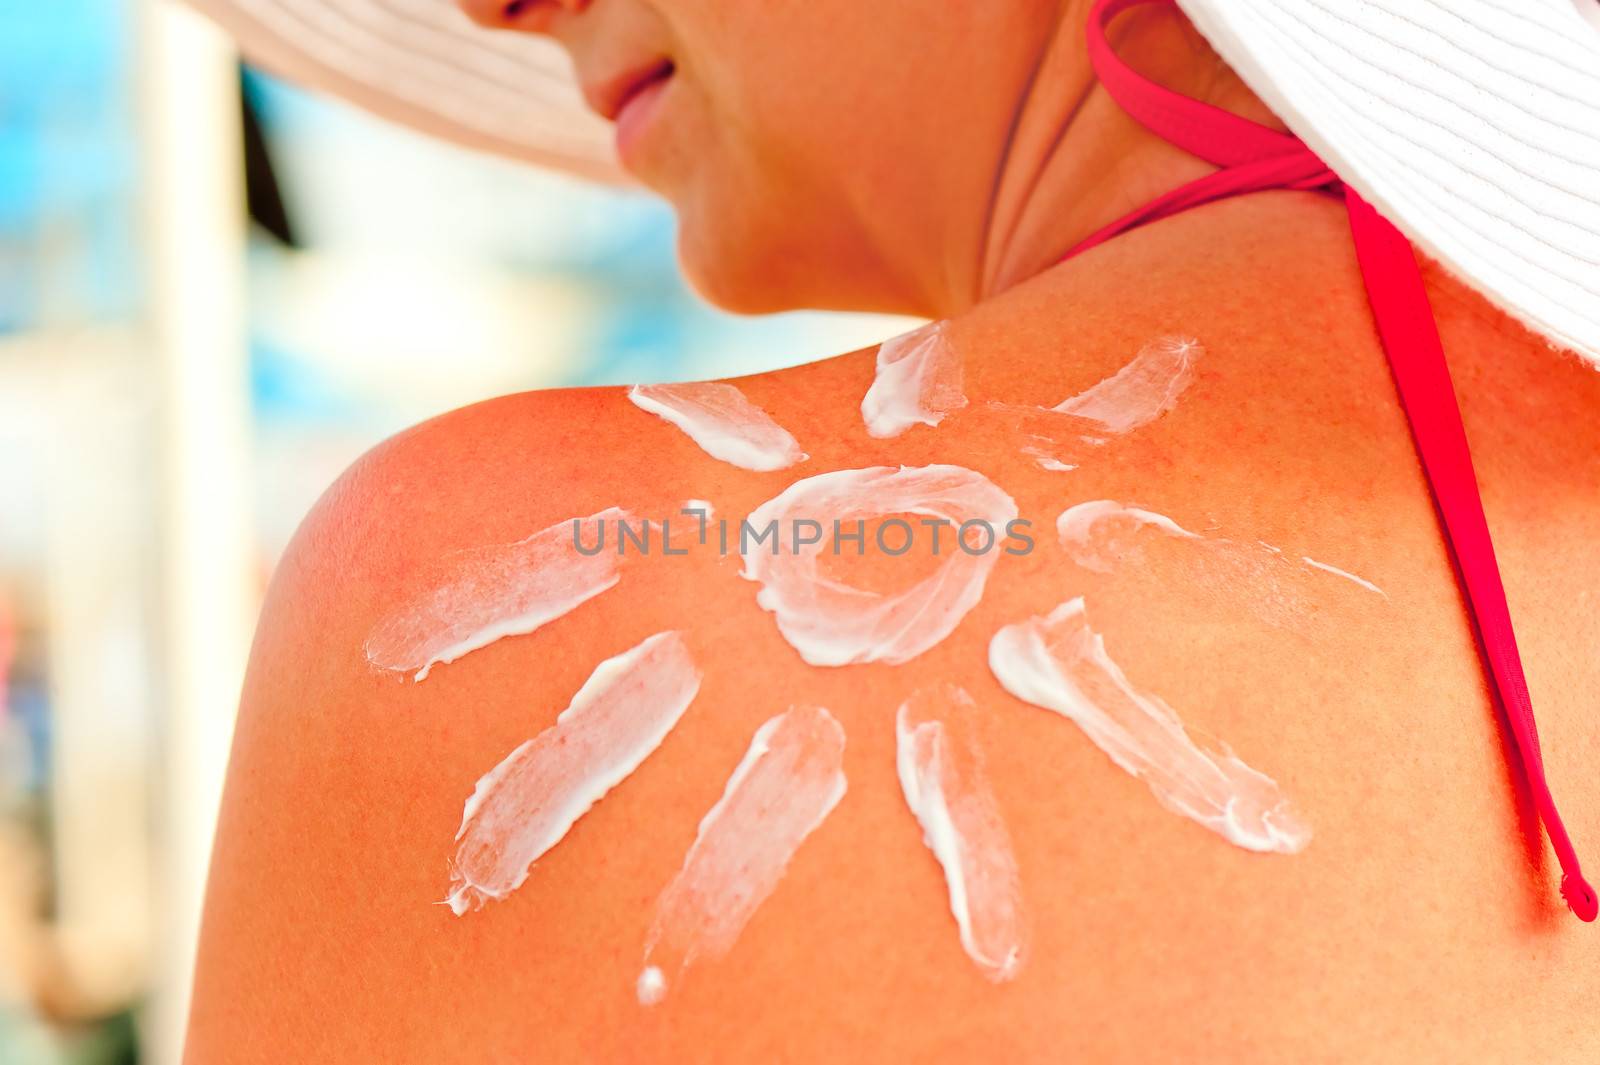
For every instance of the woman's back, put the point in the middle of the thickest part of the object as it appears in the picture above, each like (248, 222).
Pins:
(1311, 625)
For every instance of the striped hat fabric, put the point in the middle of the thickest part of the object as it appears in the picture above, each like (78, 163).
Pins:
(424, 64)
(1472, 125)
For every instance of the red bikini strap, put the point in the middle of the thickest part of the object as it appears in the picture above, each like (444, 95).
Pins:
(1253, 157)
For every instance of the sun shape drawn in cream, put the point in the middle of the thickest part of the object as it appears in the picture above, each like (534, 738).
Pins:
(791, 777)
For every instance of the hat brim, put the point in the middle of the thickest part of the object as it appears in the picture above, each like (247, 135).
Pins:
(424, 64)
(1474, 128)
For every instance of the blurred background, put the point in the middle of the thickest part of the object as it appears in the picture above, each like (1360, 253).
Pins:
(215, 292)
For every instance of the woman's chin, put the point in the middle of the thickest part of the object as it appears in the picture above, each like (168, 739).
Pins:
(769, 277)
(734, 279)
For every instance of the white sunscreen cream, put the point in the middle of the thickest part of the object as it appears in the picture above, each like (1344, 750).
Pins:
(525, 805)
(784, 788)
(834, 624)
(1141, 391)
(1346, 574)
(1060, 437)
(942, 776)
(495, 591)
(1059, 663)
(917, 382)
(1101, 534)
(723, 422)
(1098, 533)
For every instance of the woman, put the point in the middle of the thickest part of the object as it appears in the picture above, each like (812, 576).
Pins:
(1180, 749)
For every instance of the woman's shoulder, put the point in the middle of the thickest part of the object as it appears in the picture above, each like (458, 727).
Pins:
(1178, 702)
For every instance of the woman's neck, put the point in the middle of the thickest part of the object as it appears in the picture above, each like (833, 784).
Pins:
(1076, 161)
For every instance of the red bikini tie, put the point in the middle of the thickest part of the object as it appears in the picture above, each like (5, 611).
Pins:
(1253, 157)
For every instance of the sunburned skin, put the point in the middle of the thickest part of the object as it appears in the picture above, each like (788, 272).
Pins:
(491, 592)
(917, 381)
(525, 805)
(1381, 729)
(788, 782)
(1059, 663)
(942, 776)
(835, 624)
(723, 422)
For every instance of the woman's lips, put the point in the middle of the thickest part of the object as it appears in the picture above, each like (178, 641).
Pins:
(638, 109)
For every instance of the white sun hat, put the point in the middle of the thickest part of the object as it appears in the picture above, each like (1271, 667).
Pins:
(425, 64)
(1472, 125)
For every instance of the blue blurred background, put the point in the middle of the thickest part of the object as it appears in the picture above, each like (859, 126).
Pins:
(180, 378)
